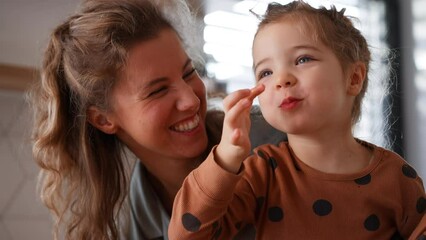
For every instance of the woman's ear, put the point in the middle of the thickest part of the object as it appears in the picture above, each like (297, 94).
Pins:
(356, 78)
(100, 120)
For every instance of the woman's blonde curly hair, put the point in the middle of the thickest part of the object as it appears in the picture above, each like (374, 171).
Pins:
(83, 180)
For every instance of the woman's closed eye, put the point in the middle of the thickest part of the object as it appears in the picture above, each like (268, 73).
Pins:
(157, 91)
(189, 74)
(164, 88)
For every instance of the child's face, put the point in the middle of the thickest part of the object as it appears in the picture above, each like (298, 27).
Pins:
(306, 87)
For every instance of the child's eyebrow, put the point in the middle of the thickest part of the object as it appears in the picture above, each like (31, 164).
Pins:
(311, 47)
(260, 62)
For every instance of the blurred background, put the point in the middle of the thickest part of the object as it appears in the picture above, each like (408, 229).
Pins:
(393, 117)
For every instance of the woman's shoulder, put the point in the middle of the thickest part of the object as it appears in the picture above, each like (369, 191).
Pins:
(147, 216)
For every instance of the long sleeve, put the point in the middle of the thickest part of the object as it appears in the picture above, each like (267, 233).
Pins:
(411, 194)
(206, 206)
(420, 231)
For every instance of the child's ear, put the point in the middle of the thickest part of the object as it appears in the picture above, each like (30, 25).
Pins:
(356, 78)
(100, 120)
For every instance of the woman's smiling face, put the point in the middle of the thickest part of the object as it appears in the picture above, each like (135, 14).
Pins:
(159, 103)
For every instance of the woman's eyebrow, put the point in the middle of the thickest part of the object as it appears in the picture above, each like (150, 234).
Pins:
(188, 62)
(160, 80)
(154, 82)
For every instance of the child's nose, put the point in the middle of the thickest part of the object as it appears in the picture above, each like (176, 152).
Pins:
(285, 80)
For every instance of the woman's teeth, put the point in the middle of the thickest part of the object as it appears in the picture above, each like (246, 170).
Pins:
(188, 125)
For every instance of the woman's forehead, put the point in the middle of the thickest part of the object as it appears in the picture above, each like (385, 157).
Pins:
(155, 58)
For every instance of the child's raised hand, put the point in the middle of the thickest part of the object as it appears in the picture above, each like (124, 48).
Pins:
(235, 144)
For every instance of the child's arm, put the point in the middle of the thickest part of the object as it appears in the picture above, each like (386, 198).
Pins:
(235, 145)
(413, 226)
(201, 207)
(411, 222)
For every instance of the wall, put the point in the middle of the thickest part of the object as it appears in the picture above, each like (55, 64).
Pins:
(414, 85)
(21, 214)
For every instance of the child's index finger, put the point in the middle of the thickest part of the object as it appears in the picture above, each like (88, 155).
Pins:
(256, 91)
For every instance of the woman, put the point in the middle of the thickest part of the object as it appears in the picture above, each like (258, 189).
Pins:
(116, 76)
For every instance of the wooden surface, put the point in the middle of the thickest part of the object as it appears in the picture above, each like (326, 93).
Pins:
(17, 78)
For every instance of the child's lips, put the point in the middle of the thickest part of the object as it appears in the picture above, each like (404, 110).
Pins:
(290, 103)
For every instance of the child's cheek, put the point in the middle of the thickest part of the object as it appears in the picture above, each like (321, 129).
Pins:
(263, 98)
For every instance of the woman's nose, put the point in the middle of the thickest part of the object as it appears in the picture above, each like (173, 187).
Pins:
(285, 80)
(187, 100)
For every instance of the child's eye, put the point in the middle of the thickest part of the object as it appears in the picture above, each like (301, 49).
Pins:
(303, 59)
(263, 74)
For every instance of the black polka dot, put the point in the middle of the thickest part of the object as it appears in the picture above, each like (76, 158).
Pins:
(397, 236)
(262, 154)
(248, 232)
(421, 205)
(363, 180)
(238, 225)
(322, 207)
(259, 205)
(422, 237)
(408, 171)
(273, 163)
(275, 214)
(372, 223)
(190, 222)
